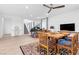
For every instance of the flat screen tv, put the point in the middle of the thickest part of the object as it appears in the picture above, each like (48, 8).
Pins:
(69, 27)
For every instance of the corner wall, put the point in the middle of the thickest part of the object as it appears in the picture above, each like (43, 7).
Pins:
(7, 27)
(10, 24)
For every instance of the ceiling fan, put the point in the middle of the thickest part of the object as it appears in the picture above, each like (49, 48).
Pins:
(51, 7)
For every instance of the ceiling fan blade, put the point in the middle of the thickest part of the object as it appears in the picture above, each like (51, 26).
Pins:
(49, 10)
(59, 6)
(46, 5)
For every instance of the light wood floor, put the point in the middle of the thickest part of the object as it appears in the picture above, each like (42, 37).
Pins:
(10, 45)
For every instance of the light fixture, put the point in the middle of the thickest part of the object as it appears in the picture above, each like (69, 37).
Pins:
(26, 7)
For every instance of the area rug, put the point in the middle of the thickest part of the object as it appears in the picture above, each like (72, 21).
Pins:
(30, 49)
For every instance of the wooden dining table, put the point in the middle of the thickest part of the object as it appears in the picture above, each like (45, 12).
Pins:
(56, 35)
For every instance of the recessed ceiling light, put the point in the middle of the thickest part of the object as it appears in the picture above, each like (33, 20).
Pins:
(31, 15)
(26, 7)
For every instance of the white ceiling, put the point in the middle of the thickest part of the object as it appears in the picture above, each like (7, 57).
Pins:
(34, 11)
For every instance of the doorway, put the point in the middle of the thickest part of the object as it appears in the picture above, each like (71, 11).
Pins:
(25, 29)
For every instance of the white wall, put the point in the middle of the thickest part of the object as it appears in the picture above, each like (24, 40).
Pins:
(1, 26)
(69, 17)
(9, 24)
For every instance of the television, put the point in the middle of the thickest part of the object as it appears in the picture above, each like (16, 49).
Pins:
(69, 27)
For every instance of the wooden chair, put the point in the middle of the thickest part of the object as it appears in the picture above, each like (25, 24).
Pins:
(72, 50)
